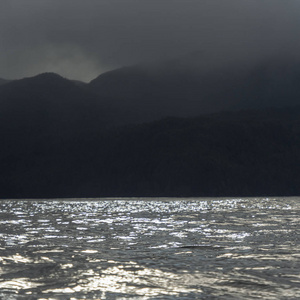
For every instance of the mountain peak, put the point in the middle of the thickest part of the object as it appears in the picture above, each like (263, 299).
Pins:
(43, 79)
(4, 81)
(48, 76)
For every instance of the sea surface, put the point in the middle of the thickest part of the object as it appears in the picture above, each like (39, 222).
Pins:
(150, 248)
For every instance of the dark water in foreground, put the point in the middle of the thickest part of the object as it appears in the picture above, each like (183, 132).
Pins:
(150, 249)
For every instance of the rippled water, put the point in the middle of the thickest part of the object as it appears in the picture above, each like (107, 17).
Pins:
(150, 249)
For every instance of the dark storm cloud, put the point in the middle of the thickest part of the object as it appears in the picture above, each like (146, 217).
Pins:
(80, 39)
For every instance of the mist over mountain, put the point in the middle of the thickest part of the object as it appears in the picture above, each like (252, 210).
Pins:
(189, 86)
(183, 87)
(81, 39)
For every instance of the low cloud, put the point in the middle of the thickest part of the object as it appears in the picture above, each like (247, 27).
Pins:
(81, 39)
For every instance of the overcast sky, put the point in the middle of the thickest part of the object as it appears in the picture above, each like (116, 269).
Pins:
(80, 39)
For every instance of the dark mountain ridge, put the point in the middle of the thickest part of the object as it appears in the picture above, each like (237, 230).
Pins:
(64, 139)
(181, 87)
(52, 104)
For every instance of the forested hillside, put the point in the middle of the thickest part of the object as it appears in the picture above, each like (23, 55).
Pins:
(246, 153)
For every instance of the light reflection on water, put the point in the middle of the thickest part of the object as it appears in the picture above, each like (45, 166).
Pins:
(150, 249)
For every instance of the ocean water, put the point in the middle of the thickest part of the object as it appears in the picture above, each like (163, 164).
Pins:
(160, 248)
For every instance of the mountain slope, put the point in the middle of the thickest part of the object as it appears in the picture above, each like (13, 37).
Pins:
(50, 104)
(188, 86)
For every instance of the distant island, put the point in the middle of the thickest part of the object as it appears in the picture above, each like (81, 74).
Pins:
(161, 129)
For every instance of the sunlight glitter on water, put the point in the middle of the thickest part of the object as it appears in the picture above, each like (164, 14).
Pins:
(133, 282)
(145, 248)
